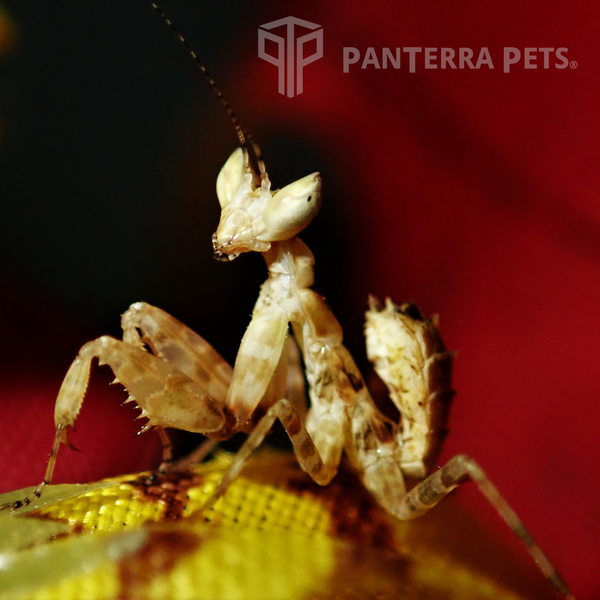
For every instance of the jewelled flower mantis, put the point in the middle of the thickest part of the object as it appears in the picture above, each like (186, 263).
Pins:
(178, 380)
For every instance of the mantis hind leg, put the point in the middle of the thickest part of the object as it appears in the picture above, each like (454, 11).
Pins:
(456, 471)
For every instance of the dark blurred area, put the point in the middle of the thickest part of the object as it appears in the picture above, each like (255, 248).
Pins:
(111, 146)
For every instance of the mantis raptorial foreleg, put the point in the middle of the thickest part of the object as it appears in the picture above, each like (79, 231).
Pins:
(167, 397)
(178, 345)
(145, 325)
(257, 359)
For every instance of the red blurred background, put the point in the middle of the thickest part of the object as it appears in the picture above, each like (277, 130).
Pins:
(473, 193)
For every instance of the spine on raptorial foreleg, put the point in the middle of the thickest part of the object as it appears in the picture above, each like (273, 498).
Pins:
(166, 396)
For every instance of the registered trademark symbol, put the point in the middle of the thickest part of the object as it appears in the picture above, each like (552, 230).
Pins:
(573, 64)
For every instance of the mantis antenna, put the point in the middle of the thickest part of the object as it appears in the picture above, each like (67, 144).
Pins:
(244, 136)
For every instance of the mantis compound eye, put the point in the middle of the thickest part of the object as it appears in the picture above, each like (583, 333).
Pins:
(292, 208)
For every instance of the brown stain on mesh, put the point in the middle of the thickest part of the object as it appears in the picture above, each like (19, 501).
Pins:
(372, 560)
(159, 556)
(362, 573)
(355, 515)
(75, 527)
(373, 564)
(170, 488)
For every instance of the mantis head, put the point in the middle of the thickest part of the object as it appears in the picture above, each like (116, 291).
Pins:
(252, 218)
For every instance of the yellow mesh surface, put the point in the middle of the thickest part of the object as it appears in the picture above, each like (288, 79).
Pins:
(134, 501)
(273, 535)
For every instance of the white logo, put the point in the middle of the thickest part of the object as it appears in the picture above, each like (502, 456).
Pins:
(290, 57)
